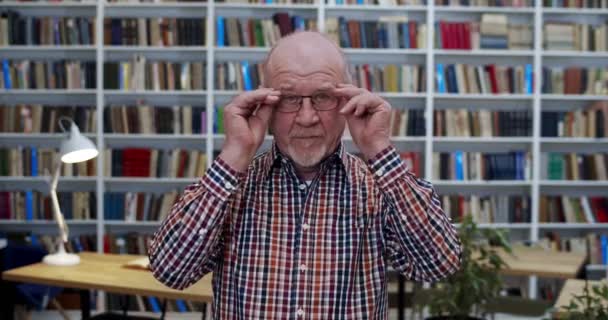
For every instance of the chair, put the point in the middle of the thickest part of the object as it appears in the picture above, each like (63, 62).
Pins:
(32, 295)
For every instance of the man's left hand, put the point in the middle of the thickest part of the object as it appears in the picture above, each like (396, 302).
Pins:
(368, 117)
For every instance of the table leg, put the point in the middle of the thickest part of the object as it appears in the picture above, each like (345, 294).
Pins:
(204, 311)
(85, 304)
(401, 297)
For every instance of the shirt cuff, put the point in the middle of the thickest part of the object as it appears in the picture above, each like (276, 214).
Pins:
(387, 166)
(221, 179)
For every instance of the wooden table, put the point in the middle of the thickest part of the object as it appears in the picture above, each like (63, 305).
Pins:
(107, 272)
(571, 287)
(534, 261)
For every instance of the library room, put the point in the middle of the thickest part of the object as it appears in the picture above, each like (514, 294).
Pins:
(303, 159)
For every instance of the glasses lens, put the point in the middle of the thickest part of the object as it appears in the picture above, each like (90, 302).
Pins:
(289, 104)
(324, 101)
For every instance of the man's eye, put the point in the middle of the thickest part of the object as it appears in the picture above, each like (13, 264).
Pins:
(290, 99)
(321, 97)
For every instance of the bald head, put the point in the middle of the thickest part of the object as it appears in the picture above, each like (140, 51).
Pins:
(302, 51)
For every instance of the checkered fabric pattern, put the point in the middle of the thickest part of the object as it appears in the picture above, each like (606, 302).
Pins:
(280, 248)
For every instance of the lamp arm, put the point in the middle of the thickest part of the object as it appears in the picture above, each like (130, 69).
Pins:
(63, 227)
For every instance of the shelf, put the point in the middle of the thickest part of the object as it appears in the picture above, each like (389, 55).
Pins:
(485, 9)
(373, 12)
(264, 11)
(48, 52)
(251, 54)
(478, 144)
(165, 141)
(15, 183)
(120, 226)
(47, 140)
(156, 9)
(573, 187)
(483, 101)
(563, 225)
(574, 11)
(483, 56)
(575, 54)
(48, 96)
(156, 98)
(156, 53)
(574, 144)
(482, 187)
(502, 225)
(52, 9)
(50, 227)
(133, 184)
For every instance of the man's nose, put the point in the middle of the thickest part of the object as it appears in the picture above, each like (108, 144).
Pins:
(307, 115)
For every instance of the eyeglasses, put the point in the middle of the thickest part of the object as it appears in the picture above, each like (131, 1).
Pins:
(320, 102)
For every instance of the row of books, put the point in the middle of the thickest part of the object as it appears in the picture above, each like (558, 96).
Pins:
(238, 75)
(61, 74)
(487, 209)
(591, 122)
(16, 29)
(388, 32)
(43, 119)
(572, 36)
(140, 74)
(493, 32)
(31, 161)
(573, 209)
(155, 31)
(414, 161)
(149, 120)
(407, 122)
(138, 206)
(482, 166)
(593, 244)
(142, 162)
(482, 123)
(34, 205)
(475, 79)
(576, 3)
(246, 32)
(573, 166)
(389, 77)
(575, 80)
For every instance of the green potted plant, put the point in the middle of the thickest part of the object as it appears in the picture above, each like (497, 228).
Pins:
(463, 294)
(591, 305)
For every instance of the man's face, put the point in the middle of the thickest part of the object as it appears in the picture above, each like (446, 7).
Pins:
(308, 135)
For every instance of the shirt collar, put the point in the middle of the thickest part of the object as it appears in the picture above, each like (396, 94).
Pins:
(275, 158)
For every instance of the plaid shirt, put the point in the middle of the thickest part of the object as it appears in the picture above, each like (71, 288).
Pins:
(282, 249)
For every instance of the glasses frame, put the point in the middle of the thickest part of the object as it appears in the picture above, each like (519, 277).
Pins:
(301, 100)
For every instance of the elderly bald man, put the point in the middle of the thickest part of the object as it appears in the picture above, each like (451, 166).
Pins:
(305, 230)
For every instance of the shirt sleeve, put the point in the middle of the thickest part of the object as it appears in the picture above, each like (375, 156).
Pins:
(189, 240)
(420, 239)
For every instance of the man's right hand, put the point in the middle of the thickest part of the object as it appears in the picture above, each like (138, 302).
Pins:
(246, 120)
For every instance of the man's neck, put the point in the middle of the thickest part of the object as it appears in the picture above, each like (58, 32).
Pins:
(306, 173)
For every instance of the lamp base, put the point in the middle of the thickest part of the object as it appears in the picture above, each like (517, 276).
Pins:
(61, 259)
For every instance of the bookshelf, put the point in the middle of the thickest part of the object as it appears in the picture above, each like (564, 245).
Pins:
(211, 54)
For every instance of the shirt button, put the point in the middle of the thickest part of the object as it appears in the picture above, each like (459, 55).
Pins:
(302, 186)
(305, 226)
(302, 267)
(202, 232)
(300, 312)
(380, 172)
(228, 185)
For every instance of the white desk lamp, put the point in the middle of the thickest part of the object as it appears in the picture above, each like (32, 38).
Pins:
(74, 148)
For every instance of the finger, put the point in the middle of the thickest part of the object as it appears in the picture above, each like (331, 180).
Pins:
(250, 99)
(259, 121)
(350, 106)
(348, 92)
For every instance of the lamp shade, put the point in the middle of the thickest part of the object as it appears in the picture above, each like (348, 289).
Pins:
(77, 148)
